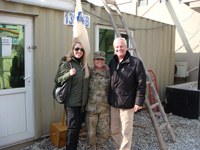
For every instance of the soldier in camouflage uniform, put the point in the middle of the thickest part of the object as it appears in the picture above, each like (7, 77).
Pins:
(97, 115)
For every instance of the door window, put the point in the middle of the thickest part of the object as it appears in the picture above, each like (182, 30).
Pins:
(106, 38)
(11, 56)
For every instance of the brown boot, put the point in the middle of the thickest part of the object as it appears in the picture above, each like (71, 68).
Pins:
(99, 146)
(92, 147)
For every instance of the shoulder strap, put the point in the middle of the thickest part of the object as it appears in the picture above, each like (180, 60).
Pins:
(70, 65)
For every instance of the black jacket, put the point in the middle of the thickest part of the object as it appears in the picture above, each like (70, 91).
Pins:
(128, 82)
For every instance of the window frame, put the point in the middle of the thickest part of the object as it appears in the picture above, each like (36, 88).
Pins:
(121, 30)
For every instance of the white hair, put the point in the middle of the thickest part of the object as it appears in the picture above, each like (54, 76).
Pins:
(119, 38)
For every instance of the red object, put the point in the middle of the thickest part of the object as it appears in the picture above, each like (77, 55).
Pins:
(152, 98)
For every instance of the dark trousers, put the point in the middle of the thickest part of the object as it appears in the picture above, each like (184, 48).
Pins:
(73, 121)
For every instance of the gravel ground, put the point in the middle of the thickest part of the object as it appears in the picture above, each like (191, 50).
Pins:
(187, 133)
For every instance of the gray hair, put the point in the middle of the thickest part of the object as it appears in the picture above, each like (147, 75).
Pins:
(119, 38)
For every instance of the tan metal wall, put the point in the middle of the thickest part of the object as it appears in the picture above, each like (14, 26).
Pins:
(53, 39)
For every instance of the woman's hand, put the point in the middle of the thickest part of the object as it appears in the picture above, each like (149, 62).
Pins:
(72, 72)
(91, 68)
(106, 67)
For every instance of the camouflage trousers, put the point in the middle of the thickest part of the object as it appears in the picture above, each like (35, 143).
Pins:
(98, 127)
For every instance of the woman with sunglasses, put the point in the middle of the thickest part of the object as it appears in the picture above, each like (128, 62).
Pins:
(79, 90)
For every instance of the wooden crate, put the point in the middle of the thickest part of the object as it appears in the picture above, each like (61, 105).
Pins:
(58, 134)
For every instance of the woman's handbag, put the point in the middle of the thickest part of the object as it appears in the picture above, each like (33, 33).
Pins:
(61, 93)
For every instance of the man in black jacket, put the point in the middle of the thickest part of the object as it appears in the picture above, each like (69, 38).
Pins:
(127, 93)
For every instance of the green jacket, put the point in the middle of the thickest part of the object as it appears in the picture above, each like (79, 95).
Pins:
(79, 89)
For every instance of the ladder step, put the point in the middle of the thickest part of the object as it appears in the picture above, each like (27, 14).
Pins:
(110, 2)
(163, 126)
(154, 105)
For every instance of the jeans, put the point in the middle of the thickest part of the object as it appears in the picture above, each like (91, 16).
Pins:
(74, 120)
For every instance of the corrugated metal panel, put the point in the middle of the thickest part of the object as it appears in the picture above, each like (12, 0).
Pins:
(155, 42)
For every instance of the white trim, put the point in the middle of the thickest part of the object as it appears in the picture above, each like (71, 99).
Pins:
(18, 12)
(97, 27)
(54, 4)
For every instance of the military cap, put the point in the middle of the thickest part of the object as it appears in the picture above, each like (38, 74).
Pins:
(100, 55)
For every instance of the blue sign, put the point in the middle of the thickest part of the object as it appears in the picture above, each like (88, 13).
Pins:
(69, 18)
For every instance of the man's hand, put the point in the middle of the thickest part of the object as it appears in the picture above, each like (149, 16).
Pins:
(137, 107)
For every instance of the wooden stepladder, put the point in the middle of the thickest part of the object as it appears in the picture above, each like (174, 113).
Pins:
(158, 104)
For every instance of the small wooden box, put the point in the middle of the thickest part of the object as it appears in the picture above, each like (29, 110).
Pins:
(58, 134)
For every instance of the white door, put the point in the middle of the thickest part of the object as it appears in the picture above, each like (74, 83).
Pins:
(17, 122)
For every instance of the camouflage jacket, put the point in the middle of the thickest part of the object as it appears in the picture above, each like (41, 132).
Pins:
(99, 84)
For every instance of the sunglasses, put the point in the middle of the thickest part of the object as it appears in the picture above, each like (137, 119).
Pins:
(77, 48)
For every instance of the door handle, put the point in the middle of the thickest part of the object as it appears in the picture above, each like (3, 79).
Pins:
(26, 77)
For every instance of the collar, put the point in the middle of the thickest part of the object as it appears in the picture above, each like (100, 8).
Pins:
(125, 60)
(95, 71)
(76, 59)
(79, 62)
